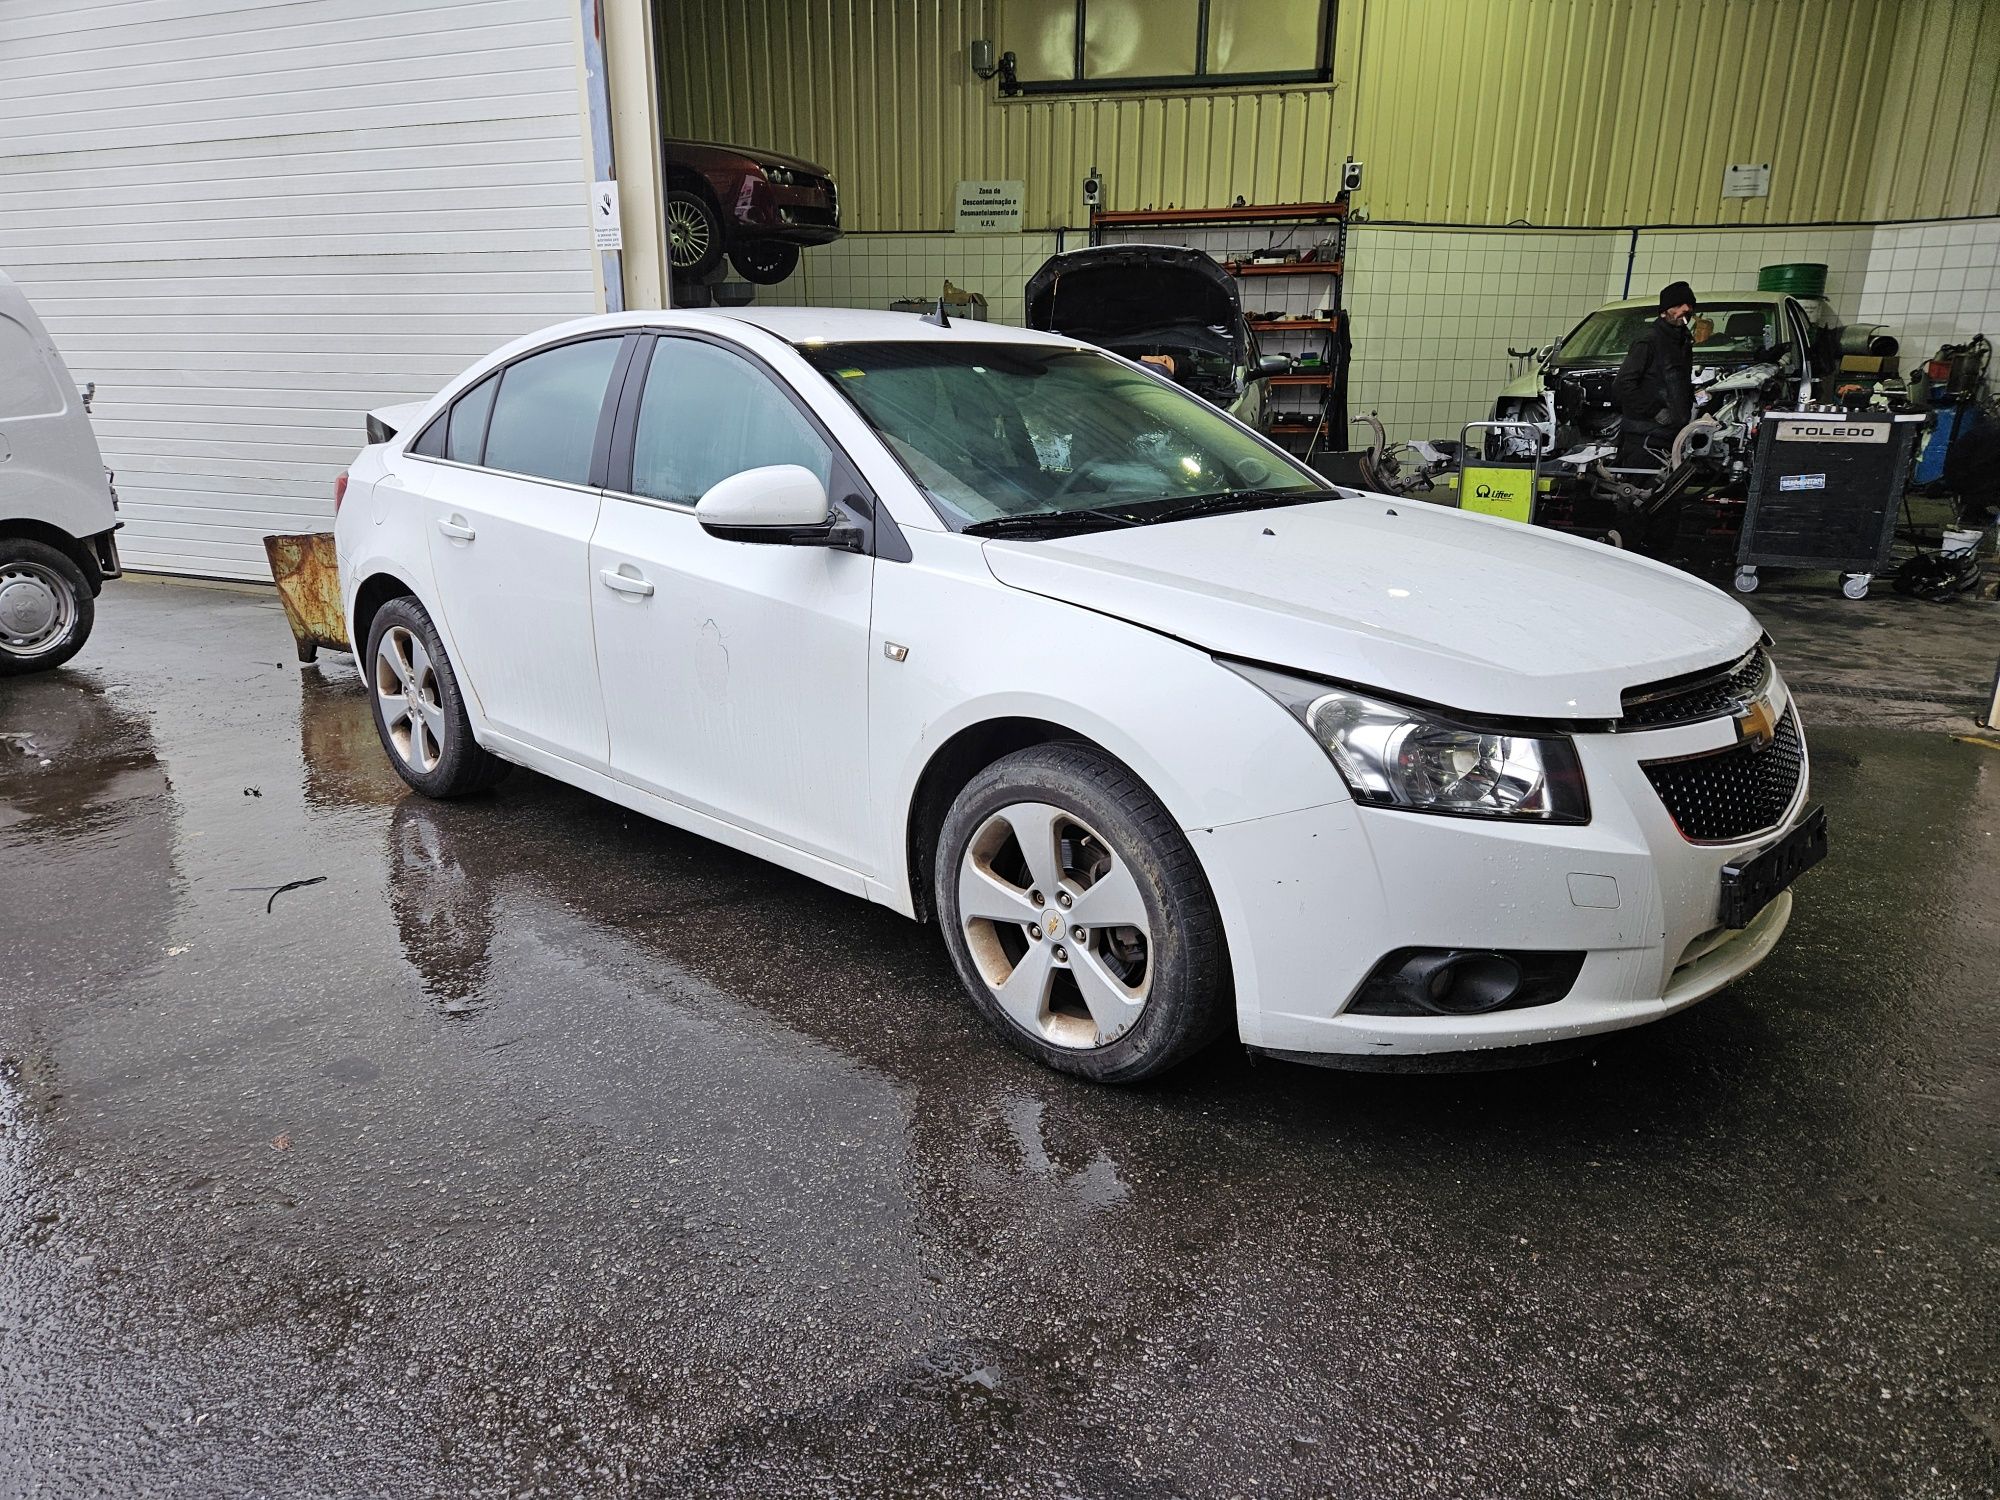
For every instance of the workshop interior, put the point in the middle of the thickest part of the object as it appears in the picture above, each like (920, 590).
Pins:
(1448, 240)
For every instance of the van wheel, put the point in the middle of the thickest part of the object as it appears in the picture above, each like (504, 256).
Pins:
(419, 709)
(1078, 917)
(46, 608)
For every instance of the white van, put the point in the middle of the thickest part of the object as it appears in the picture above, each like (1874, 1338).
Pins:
(57, 509)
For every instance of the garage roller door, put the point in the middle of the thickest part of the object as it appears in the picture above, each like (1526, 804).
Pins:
(251, 222)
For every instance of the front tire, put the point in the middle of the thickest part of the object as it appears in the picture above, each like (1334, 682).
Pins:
(1058, 839)
(419, 708)
(766, 262)
(46, 607)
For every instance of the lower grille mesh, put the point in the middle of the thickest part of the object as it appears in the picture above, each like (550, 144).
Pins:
(1734, 793)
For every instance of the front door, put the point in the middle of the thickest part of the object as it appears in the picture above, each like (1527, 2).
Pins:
(511, 511)
(735, 674)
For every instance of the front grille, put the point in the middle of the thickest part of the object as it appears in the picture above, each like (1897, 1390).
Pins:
(1707, 694)
(1736, 793)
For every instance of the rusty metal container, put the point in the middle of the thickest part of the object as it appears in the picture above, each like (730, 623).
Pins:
(308, 578)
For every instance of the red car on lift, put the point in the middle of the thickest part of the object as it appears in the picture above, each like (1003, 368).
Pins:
(755, 206)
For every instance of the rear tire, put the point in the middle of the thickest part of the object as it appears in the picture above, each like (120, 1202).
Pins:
(419, 708)
(46, 607)
(1147, 985)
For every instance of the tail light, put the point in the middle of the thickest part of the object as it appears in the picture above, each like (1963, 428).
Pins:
(339, 490)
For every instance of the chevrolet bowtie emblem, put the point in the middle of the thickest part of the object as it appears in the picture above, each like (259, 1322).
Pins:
(1757, 723)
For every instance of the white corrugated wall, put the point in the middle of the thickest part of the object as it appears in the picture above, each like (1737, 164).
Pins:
(249, 222)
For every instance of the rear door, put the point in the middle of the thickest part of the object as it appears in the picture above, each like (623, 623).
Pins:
(735, 674)
(512, 500)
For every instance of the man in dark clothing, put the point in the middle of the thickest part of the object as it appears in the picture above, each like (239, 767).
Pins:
(1654, 389)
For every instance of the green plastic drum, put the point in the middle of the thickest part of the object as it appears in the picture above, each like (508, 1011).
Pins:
(1803, 278)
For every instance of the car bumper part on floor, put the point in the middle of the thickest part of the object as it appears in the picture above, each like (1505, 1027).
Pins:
(1314, 900)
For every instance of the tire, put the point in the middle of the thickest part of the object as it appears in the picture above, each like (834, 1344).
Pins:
(766, 262)
(430, 744)
(46, 607)
(1100, 831)
(694, 234)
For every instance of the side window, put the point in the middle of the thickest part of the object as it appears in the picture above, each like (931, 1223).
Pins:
(707, 414)
(465, 431)
(430, 442)
(545, 417)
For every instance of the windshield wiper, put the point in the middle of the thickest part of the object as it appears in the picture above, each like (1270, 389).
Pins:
(1050, 520)
(1227, 500)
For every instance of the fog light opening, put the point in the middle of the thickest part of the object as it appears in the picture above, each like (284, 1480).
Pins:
(1467, 984)
(1464, 981)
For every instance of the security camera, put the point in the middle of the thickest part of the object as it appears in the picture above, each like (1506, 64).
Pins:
(1093, 190)
(1350, 177)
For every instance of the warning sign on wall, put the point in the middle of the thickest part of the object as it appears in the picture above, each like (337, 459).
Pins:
(989, 207)
(1746, 179)
(604, 221)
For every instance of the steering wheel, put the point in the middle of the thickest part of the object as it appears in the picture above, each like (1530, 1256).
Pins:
(1070, 483)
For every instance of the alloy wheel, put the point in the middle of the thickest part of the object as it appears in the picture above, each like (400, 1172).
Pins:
(37, 609)
(406, 687)
(687, 233)
(1057, 925)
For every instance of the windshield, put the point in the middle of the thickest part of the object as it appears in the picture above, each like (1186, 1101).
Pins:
(996, 432)
(1724, 331)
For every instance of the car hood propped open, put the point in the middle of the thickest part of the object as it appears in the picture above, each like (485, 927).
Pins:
(1484, 616)
(1111, 295)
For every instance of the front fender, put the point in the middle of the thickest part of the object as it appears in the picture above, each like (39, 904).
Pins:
(1211, 746)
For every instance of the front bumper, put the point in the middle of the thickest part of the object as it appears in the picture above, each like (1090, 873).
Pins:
(1312, 899)
(802, 215)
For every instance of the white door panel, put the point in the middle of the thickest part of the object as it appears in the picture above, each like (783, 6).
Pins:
(512, 562)
(736, 674)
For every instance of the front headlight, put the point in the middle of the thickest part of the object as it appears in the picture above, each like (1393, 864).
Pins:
(1418, 759)
(778, 176)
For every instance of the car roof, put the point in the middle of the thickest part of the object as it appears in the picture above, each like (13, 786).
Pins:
(1706, 300)
(811, 325)
(836, 325)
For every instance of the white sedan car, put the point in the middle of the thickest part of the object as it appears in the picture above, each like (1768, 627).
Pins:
(1167, 734)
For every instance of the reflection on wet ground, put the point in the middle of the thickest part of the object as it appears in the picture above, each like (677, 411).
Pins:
(544, 1149)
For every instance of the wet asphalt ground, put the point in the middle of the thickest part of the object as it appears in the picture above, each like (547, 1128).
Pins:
(538, 1149)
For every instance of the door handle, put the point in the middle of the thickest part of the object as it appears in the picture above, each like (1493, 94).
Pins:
(457, 530)
(625, 583)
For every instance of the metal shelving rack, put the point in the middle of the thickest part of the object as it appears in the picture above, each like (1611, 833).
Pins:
(1326, 425)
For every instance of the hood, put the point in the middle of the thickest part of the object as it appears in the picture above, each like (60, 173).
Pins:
(704, 154)
(1416, 601)
(1114, 294)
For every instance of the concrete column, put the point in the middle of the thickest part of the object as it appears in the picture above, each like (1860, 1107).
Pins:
(634, 80)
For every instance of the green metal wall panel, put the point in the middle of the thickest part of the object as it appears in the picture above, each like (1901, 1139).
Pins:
(1554, 112)
(1940, 155)
(1587, 113)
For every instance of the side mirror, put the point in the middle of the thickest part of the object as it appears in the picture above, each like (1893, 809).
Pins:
(781, 503)
(1271, 364)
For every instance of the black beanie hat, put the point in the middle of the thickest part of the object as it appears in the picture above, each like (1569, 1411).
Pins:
(1675, 293)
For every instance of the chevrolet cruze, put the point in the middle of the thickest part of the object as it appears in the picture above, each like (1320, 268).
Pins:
(1169, 736)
